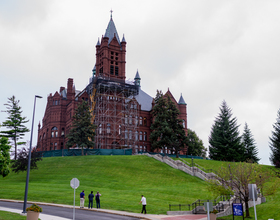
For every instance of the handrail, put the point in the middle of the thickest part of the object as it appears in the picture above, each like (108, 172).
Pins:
(217, 204)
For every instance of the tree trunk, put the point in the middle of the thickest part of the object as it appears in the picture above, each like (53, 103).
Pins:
(247, 208)
(15, 140)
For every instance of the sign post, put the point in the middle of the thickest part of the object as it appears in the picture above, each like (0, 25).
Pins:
(74, 183)
(208, 207)
(253, 195)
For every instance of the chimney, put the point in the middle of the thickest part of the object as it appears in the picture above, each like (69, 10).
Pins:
(70, 89)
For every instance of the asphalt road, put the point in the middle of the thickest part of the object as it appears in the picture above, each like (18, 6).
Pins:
(80, 214)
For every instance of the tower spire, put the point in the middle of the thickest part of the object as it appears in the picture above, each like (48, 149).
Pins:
(111, 13)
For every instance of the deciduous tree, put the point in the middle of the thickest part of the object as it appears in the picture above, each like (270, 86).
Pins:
(224, 140)
(235, 177)
(14, 123)
(195, 145)
(82, 130)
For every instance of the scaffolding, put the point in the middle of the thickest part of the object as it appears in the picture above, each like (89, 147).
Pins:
(114, 112)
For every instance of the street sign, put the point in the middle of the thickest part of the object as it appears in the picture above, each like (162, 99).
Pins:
(237, 209)
(253, 195)
(253, 190)
(210, 208)
(74, 183)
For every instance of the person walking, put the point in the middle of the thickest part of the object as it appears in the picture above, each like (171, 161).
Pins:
(97, 199)
(82, 199)
(144, 203)
(90, 199)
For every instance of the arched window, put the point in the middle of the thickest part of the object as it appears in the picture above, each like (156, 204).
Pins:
(130, 134)
(55, 146)
(100, 128)
(145, 121)
(140, 121)
(141, 136)
(136, 149)
(125, 134)
(120, 129)
(145, 136)
(125, 119)
(136, 120)
(136, 135)
(184, 124)
(62, 132)
(108, 128)
(54, 132)
(130, 119)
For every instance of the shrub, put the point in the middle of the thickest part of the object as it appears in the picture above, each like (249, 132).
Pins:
(34, 208)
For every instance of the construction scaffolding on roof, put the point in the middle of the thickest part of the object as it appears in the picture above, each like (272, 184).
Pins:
(115, 113)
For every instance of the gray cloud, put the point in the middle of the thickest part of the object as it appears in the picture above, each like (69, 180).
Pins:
(207, 50)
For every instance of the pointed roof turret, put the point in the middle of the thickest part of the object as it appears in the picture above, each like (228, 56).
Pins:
(94, 70)
(98, 43)
(111, 30)
(123, 39)
(137, 76)
(137, 79)
(182, 101)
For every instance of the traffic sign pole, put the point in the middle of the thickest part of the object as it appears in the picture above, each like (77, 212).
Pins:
(74, 183)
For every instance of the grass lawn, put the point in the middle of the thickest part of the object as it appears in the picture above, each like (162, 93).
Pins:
(268, 210)
(11, 216)
(120, 179)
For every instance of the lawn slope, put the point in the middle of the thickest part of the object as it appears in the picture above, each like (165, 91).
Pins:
(120, 179)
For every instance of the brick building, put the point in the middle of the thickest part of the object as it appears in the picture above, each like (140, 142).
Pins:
(121, 109)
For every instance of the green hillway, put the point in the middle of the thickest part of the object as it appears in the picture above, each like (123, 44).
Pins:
(121, 180)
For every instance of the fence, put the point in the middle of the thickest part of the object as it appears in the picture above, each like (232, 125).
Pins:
(197, 207)
(78, 152)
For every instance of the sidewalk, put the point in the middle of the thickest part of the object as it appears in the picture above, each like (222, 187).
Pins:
(42, 216)
(123, 213)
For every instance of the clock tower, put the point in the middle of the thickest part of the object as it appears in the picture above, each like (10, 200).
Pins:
(110, 54)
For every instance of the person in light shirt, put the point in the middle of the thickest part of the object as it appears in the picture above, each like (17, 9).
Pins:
(144, 203)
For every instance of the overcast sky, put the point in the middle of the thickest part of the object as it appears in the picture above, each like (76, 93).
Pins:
(209, 51)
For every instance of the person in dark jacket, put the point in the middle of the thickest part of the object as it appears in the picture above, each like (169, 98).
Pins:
(90, 199)
(97, 199)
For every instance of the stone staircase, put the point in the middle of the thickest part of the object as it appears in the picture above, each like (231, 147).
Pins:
(195, 171)
(178, 164)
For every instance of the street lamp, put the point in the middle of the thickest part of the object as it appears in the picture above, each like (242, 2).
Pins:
(29, 158)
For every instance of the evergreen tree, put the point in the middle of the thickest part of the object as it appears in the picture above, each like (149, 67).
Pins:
(195, 145)
(15, 123)
(161, 134)
(4, 156)
(178, 138)
(21, 163)
(275, 143)
(82, 131)
(251, 151)
(224, 140)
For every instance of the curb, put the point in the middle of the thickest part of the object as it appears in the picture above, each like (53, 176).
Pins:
(121, 213)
